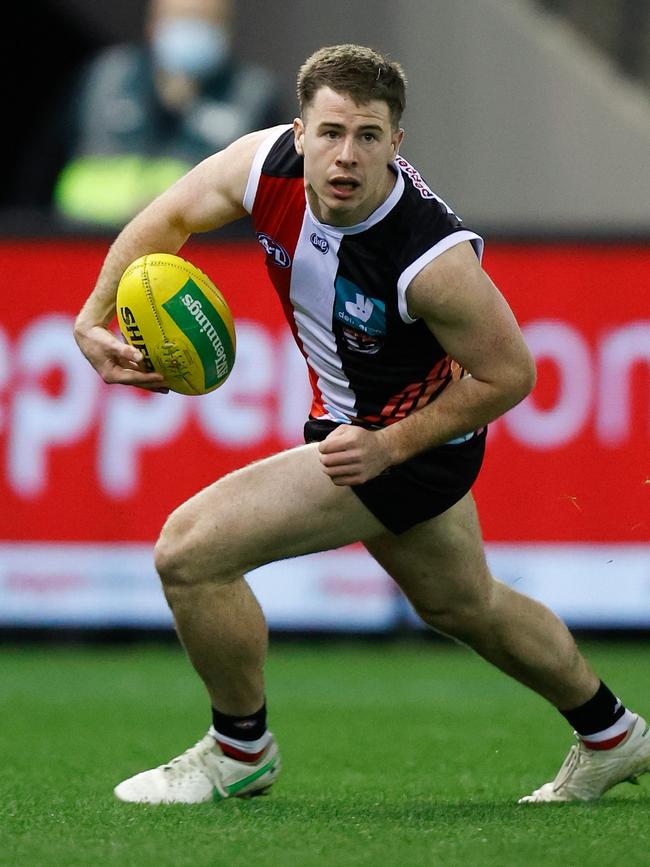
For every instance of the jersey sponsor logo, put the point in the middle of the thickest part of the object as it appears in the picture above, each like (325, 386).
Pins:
(354, 308)
(274, 250)
(361, 308)
(416, 179)
(363, 318)
(321, 244)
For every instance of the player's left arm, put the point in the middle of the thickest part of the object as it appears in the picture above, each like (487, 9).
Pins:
(473, 322)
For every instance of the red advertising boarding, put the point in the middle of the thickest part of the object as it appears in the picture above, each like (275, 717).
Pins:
(84, 462)
(572, 462)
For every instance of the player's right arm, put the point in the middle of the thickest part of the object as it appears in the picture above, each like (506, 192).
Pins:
(207, 197)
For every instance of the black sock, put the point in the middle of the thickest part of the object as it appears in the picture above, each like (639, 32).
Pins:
(243, 728)
(597, 714)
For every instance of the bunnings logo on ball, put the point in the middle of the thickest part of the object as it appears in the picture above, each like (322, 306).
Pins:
(195, 315)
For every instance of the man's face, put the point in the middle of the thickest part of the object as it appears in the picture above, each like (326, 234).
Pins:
(347, 148)
(213, 11)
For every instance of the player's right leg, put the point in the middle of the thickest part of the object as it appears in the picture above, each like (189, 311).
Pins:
(279, 507)
(276, 508)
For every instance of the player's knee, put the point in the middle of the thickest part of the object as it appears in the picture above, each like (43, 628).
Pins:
(184, 557)
(171, 556)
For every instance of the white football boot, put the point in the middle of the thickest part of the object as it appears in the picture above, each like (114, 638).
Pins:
(202, 774)
(586, 774)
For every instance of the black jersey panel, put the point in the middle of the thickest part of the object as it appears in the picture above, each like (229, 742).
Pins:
(381, 355)
(282, 160)
(408, 365)
(419, 224)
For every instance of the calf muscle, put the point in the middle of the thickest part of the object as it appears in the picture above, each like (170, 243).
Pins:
(441, 567)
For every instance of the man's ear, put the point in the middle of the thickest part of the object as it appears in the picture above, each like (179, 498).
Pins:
(397, 140)
(298, 135)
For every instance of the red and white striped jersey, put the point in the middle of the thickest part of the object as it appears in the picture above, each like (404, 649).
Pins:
(343, 289)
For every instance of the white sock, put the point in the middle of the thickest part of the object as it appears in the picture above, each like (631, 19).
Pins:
(249, 748)
(620, 727)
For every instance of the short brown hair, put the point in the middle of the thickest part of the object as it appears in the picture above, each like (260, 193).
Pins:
(357, 71)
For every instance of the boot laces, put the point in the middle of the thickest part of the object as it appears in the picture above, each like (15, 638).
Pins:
(193, 757)
(570, 764)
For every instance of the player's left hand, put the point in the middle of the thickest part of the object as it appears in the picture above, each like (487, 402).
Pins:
(352, 455)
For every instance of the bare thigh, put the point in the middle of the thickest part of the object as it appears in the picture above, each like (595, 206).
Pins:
(279, 507)
(439, 564)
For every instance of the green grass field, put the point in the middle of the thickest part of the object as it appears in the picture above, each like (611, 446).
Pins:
(395, 754)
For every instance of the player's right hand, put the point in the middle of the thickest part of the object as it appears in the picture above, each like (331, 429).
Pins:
(116, 361)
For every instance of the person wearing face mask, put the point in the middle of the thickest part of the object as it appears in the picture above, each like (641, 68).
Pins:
(146, 113)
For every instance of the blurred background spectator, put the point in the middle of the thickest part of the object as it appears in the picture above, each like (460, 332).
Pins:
(142, 113)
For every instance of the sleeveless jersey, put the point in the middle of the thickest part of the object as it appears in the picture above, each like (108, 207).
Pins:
(343, 289)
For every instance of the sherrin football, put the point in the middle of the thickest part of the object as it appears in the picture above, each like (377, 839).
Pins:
(175, 315)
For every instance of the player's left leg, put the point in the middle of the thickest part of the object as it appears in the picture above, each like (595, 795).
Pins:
(440, 565)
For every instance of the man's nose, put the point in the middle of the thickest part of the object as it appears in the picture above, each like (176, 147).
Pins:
(347, 153)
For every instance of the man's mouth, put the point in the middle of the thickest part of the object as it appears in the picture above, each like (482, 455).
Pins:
(343, 186)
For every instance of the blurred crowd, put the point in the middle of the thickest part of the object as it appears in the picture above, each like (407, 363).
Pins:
(139, 115)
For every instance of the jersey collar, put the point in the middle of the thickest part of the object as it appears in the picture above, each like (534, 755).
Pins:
(377, 215)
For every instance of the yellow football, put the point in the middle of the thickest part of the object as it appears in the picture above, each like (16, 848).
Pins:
(175, 315)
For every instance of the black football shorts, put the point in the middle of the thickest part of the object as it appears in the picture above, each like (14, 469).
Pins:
(420, 488)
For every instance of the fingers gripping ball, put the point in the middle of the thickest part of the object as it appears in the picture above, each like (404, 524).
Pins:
(175, 315)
